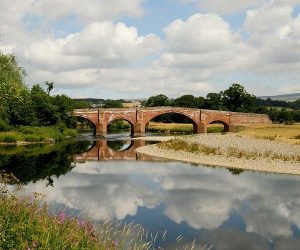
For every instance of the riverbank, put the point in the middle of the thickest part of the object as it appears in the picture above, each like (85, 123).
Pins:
(230, 150)
(26, 223)
(26, 135)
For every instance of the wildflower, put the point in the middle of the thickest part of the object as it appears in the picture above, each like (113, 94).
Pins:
(61, 218)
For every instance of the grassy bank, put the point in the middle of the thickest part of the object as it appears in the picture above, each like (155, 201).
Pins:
(27, 134)
(181, 128)
(230, 150)
(274, 132)
(26, 223)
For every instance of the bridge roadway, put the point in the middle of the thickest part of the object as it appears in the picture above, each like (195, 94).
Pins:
(138, 118)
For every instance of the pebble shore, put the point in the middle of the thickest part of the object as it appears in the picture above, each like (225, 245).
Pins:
(266, 151)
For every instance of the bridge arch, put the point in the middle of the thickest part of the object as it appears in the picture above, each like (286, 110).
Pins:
(225, 124)
(110, 145)
(88, 119)
(194, 122)
(123, 119)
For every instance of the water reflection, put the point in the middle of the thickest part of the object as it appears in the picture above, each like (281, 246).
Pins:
(40, 162)
(239, 210)
(258, 211)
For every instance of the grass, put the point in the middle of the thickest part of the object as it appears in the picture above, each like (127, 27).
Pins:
(277, 132)
(26, 223)
(36, 134)
(181, 128)
(192, 147)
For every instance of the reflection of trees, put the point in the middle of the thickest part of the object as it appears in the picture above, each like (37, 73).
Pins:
(235, 171)
(42, 165)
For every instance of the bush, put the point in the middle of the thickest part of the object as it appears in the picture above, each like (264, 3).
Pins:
(4, 126)
(11, 137)
(34, 138)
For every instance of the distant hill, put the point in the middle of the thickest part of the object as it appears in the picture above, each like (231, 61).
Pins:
(287, 97)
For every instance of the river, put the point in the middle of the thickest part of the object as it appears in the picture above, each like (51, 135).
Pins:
(219, 207)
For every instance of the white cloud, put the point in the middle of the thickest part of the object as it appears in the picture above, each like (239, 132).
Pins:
(99, 45)
(195, 55)
(90, 11)
(233, 6)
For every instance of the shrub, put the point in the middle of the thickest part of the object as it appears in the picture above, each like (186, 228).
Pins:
(4, 126)
(11, 137)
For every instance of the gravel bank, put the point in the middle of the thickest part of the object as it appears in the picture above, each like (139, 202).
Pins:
(265, 154)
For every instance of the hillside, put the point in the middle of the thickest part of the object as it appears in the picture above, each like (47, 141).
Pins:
(287, 97)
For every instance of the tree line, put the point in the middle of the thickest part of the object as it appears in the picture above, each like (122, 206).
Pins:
(21, 105)
(235, 99)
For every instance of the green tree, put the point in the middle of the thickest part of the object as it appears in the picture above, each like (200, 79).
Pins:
(236, 98)
(15, 106)
(189, 101)
(157, 101)
(46, 111)
(214, 101)
(50, 86)
(112, 104)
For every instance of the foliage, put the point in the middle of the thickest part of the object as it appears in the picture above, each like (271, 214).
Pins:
(236, 98)
(29, 107)
(158, 100)
(36, 134)
(189, 101)
(112, 104)
(26, 223)
(118, 125)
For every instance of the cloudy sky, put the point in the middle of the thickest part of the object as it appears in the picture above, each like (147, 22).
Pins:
(138, 48)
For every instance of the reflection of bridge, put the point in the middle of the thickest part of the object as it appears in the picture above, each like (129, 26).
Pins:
(138, 118)
(102, 152)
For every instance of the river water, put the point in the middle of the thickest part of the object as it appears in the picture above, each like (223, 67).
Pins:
(222, 208)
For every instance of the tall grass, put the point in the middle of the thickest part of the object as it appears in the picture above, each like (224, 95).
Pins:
(192, 147)
(36, 134)
(26, 223)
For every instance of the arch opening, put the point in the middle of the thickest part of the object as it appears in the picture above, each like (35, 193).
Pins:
(217, 127)
(120, 145)
(172, 123)
(120, 126)
(85, 126)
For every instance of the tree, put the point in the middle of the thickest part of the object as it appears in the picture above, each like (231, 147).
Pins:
(50, 86)
(157, 101)
(236, 98)
(13, 92)
(189, 101)
(112, 104)
(214, 101)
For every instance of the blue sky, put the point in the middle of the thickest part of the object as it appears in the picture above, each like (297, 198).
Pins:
(138, 48)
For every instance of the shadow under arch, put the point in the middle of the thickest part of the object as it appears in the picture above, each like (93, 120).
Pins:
(177, 116)
(225, 124)
(123, 119)
(90, 122)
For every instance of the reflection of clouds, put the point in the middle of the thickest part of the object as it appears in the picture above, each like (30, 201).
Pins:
(198, 208)
(201, 197)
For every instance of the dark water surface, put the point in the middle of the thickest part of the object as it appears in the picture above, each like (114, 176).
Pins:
(215, 206)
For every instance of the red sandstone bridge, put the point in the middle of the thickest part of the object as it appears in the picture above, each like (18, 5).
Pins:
(138, 118)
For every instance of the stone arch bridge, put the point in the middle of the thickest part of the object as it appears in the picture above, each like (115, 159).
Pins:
(138, 118)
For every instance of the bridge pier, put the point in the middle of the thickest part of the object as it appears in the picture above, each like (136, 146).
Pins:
(101, 129)
(138, 129)
(202, 128)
